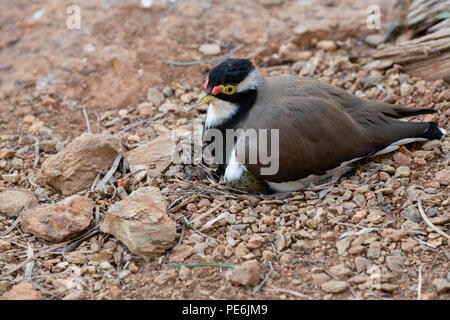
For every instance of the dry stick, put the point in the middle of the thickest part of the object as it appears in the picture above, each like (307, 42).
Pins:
(295, 293)
(30, 265)
(174, 202)
(36, 152)
(184, 203)
(429, 223)
(419, 286)
(134, 126)
(207, 212)
(98, 121)
(264, 280)
(192, 63)
(86, 118)
(446, 253)
(110, 173)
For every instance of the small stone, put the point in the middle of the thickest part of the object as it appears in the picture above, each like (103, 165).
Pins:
(146, 110)
(181, 253)
(375, 216)
(155, 97)
(13, 201)
(76, 258)
(402, 172)
(408, 244)
(6, 153)
(441, 285)
(388, 287)
(334, 286)
(59, 222)
(140, 221)
(319, 278)
(359, 215)
(406, 89)
(395, 262)
(306, 245)
(75, 295)
(373, 253)
(11, 177)
(342, 245)
(255, 242)
(184, 273)
(22, 291)
(4, 245)
(340, 270)
(375, 39)
(402, 159)
(412, 213)
(394, 234)
(443, 176)
(165, 276)
(327, 45)
(361, 264)
(247, 274)
(210, 49)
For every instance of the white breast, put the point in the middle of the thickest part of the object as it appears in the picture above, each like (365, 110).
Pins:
(219, 112)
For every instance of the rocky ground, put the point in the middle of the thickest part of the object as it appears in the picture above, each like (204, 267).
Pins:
(107, 215)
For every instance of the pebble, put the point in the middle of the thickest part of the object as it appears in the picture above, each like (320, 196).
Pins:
(184, 273)
(4, 245)
(155, 97)
(334, 286)
(327, 45)
(361, 264)
(412, 213)
(165, 276)
(402, 172)
(247, 274)
(342, 245)
(210, 49)
(443, 176)
(375, 216)
(395, 262)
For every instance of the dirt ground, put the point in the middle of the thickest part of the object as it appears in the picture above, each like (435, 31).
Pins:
(50, 72)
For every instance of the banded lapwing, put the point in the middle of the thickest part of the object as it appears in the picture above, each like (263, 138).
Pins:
(323, 130)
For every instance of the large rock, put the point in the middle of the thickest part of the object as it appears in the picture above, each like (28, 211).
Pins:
(62, 221)
(154, 156)
(22, 291)
(13, 201)
(141, 223)
(75, 168)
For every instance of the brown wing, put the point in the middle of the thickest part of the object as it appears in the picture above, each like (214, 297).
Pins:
(320, 128)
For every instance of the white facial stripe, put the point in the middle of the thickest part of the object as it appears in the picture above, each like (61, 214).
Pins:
(218, 112)
(250, 82)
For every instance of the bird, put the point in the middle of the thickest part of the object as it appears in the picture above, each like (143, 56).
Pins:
(323, 130)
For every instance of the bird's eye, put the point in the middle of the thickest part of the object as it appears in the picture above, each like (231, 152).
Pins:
(230, 89)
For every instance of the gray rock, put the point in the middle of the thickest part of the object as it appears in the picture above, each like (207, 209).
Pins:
(412, 213)
(155, 96)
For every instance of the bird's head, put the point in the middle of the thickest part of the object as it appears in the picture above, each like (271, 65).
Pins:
(230, 81)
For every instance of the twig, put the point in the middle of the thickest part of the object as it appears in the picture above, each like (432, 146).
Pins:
(207, 213)
(30, 264)
(98, 121)
(429, 223)
(134, 126)
(295, 293)
(110, 173)
(211, 222)
(202, 264)
(36, 151)
(419, 286)
(86, 118)
(174, 202)
(425, 243)
(264, 280)
(192, 63)
(328, 273)
(182, 204)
